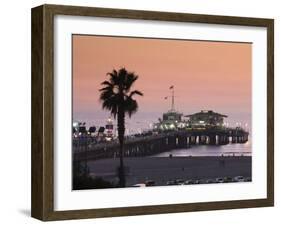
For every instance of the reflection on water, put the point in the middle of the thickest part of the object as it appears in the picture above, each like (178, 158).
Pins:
(208, 150)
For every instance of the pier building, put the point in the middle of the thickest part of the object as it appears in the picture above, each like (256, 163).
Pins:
(205, 118)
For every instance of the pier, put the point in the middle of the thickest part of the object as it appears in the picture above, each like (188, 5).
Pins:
(146, 145)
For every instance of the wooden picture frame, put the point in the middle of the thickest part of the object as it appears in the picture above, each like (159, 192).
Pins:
(43, 111)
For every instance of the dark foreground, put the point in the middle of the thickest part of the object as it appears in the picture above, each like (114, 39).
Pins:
(163, 170)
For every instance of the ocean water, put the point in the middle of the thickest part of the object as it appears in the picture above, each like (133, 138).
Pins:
(210, 150)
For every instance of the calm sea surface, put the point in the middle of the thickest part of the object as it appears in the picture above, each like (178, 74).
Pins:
(207, 150)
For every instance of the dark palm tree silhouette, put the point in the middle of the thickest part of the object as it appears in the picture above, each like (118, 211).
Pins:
(117, 97)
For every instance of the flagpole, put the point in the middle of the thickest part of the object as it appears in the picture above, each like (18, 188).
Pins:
(173, 101)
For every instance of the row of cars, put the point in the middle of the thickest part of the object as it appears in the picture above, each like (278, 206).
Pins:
(149, 183)
(210, 181)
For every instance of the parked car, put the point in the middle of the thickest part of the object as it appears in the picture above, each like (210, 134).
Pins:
(228, 179)
(210, 181)
(200, 181)
(180, 182)
(138, 185)
(196, 182)
(171, 182)
(219, 180)
(149, 183)
(189, 182)
(239, 179)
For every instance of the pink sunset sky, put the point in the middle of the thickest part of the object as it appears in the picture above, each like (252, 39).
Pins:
(206, 75)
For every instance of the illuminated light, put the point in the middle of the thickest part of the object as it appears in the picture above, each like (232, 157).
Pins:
(201, 122)
(108, 138)
(109, 120)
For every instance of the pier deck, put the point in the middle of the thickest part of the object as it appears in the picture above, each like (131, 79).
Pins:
(86, 149)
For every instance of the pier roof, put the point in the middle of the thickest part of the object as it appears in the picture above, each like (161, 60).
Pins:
(209, 112)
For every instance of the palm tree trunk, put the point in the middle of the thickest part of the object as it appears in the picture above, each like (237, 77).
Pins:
(121, 132)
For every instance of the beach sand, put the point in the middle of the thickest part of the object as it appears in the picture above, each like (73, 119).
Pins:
(163, 169)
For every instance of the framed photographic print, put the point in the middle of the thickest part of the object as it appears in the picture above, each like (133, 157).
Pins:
(141, 112)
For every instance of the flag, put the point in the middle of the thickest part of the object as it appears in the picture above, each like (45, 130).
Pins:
(171, 87)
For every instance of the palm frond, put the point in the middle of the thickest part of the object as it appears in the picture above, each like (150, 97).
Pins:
(135, 92)
(130, 79)
(130, 106)
(111, 104)
(122, 74)
(114, 78)
(107, 83)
